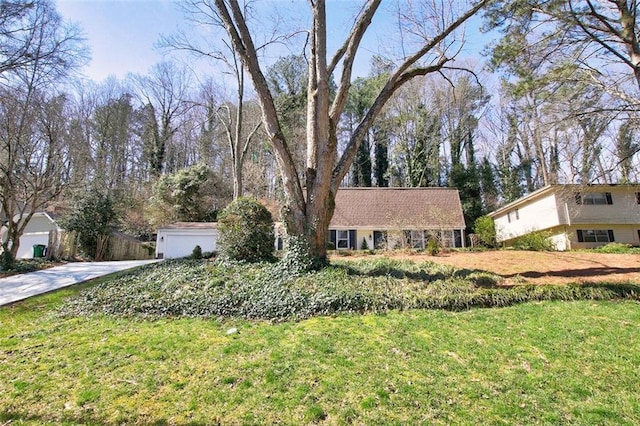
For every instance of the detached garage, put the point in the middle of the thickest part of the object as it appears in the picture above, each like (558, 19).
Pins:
(180, 238)
(36, 233)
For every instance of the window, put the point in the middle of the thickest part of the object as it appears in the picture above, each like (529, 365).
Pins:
(595, 235)
(594, 198)
(417, 239)
(380, 239)
(445, 237)
(638, 197)
(342, 239)
(513, 215)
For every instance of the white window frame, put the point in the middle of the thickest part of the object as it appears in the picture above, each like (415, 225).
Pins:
(594, 199)
(595, 236)
(342, 236)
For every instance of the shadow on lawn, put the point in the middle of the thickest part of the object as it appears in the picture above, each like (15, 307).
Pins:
(7, 417)
(577, 273)
(488, 280)
(384, 271)
(477, 277)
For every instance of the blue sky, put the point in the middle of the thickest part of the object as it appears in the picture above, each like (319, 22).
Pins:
(122, 34)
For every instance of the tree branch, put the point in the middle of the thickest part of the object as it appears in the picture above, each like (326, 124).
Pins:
(399, 77)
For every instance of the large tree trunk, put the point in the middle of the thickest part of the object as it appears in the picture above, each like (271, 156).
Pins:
(307, 213)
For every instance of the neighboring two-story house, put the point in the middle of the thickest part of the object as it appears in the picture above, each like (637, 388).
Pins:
(577, 216)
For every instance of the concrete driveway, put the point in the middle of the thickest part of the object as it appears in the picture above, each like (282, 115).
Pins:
(18, 287)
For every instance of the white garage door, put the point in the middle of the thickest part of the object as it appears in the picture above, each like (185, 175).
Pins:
(27, 241)
(180, 245)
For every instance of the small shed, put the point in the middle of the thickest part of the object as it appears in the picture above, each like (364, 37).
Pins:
(180, 238)
(36, 233)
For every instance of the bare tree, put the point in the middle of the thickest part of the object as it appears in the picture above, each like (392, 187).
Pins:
(34, 166)
(230, 115)
(164, 95)
(308, 211)
(33, 160)
(32, 35)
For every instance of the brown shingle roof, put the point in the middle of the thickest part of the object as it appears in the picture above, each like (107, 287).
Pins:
(398, 208)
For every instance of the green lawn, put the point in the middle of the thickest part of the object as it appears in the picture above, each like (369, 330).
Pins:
(534, 363)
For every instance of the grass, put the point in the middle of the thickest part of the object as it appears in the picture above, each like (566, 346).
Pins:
(534, 363)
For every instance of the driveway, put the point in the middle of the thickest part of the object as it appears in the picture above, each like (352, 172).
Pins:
(18, 287)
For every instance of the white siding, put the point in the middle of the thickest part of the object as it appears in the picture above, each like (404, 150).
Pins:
(27, 241)
(174, 243)
(364, 234)
(560, 241)
(624, 210)
(36, 232)
(541, 213)
(40, 223)
(625, 234)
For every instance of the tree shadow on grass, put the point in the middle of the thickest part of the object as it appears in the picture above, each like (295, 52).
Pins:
(601, 271)
(477, 277)
(7, 417)
(393, 272)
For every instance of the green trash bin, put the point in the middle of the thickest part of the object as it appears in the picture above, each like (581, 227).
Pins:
(38, 250)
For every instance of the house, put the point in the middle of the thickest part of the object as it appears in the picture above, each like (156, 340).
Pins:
(392, 218)
(180, 238)
(36, 233)
(576, 216)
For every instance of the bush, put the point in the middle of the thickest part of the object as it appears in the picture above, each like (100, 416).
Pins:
(617, 248)
(196, 253)
(433, 247)
(485, 229)
(92, 217)
(246, 231)
(534, 241)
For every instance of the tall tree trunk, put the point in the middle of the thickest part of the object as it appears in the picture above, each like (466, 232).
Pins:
(307, 213)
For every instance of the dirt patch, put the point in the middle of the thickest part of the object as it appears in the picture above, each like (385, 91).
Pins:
(519, 267)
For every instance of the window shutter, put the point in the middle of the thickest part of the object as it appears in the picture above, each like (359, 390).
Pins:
(609, 199)
(332, 237)
(352, 239)
(578, 198)
(407, 237)
(638, 197)
(457, 238)
(580, 237)
(610, 231)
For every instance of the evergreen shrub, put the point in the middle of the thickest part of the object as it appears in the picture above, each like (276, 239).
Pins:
(534, 241)
(197, 252)
(485, 229)
(245, 229)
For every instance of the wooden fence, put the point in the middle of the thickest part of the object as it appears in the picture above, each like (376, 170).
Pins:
(66, 245)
